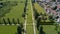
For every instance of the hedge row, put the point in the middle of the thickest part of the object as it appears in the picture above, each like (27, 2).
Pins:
(9, 21)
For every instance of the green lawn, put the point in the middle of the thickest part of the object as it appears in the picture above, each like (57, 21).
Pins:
(8, 29)
(15, 12)
(29, 26)
(49, 29)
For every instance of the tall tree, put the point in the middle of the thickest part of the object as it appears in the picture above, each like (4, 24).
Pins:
(4, 21)
(18, 21)
(14, 22)
(20, 29)
(38, 23)
(9, 21)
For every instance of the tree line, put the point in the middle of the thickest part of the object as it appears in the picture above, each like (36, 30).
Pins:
(25, 8)
(10, 21)
(20, 29)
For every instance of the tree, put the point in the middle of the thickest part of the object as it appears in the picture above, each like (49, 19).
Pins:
(58, 32)
(1, 5)
(20, 29)
(14, 22)
(9, 21)
(0, 21)
(54, 8)
(23, 15)
(38, 23)
(36, 13)
(18, 21)
(4, 21)
(0, 0)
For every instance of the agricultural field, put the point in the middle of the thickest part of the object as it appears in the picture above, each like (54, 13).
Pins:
(23, 17)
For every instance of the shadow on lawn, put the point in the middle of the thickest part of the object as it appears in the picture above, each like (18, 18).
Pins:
(41, 30)
(58, 32)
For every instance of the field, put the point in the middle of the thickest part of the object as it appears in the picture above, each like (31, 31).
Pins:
(9, 20)
(8, 29)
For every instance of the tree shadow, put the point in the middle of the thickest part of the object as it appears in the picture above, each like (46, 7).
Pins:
(41, 30)
(58, 32)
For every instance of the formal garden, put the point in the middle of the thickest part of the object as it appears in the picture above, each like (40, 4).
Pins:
(25, 17)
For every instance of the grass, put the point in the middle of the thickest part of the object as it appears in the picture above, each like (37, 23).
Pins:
(8, 29)
(15, 12)
(29, 13)
(49, 29)
(29, 26)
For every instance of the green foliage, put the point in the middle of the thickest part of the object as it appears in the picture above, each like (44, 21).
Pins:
(6, 7)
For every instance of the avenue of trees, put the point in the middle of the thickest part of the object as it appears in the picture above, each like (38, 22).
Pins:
(25, 8)
(9, 21)
(5, 8)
